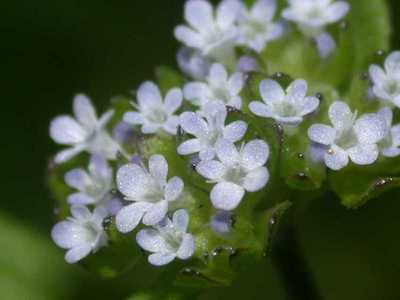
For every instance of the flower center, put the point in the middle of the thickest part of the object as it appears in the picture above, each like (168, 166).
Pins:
(235, 174)
(285, 109)
(393, 87)
(157, 115)
(347, 139)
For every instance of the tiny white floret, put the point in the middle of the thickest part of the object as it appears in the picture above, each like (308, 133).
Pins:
(213, 32)
(80, 234)
(168, 240)
(208, 130)
(256, 25)
(150, 191)
(349, 138)
(386, 82)
(286, 107)
(85, 133)
(235, 172)
(153, 113)
(218, 86)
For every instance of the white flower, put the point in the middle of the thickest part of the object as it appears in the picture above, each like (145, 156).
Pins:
(236, 172)
(213, 33)
(386, 83)
(349, 137)
(286, 108)
(256, 26)
(80, 234)
(193, 63)
(149, 190)
(208, 130)
(218, 87)
(390, 145)
(86, 133)
(168, 240)
(313, 15)
(153, 113)
(94, 186)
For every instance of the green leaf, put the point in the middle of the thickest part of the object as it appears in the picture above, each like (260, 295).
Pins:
(168, 78)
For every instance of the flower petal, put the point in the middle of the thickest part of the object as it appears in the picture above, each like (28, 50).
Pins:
(67, 234)
(322, 134)
(256, 179)
(260, 109)
(218, 76)
(255, 154)
(80, 199)
(129, 216)
(226, 195)
(173, 100)
(236, 83)
(99, 168)
(180, 220)
(65, 130)
(377, 75)
(364, 154)
(336, 158)
(227, 152)
(65, 155)
(227, 13)
(173, 189)
(199, 14)
(133, 181)
(192, 123)
(161, 259)
(149, 96)
(85, 112)
(188, 36)
(235, 131)
(196, 91)
(392, 63)
(77, 179)
(370, 128)
(158, 168)
(221, 222)
(325, 44)
(297, 90)
(337, 11)
(77, 253)
(171, 125)
(271, 91)
(189, 147)
(150, 128)
(80, 212)
(211, 169)
(309, 105)
(187, 247)
(156, 213)
(387, 114)
(340, 115)
(264, 10)
(151, 240)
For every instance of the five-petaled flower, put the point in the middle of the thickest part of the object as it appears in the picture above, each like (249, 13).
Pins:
(208, 130)
(386, 83)
(235, 172)
(93, 187)
(86, 133)
(149, 190)
(168, 239)
(256, 26)
(218, 87)
(312, 16)
(81, 234)
(287, 108)
(213, 33)
(390, 145)
(349, 137)
(153, 113)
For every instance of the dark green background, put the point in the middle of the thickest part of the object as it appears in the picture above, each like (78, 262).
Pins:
(49, 51)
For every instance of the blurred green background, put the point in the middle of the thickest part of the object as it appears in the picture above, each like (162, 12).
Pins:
(51, 50)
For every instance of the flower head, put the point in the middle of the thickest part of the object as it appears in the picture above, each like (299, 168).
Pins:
(287, 108)
(80, 234)
(349, 137)
(153, 113)
(256, 26)
(390, 145)
(386, 83)
(85, 133)
(313, 15)
(218, 87)
(168, 240)
(235, 172)
(208, 130)
(93, 186)
(209, 31)
(149, 190)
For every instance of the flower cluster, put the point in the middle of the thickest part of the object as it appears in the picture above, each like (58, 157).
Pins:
(140, 192)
